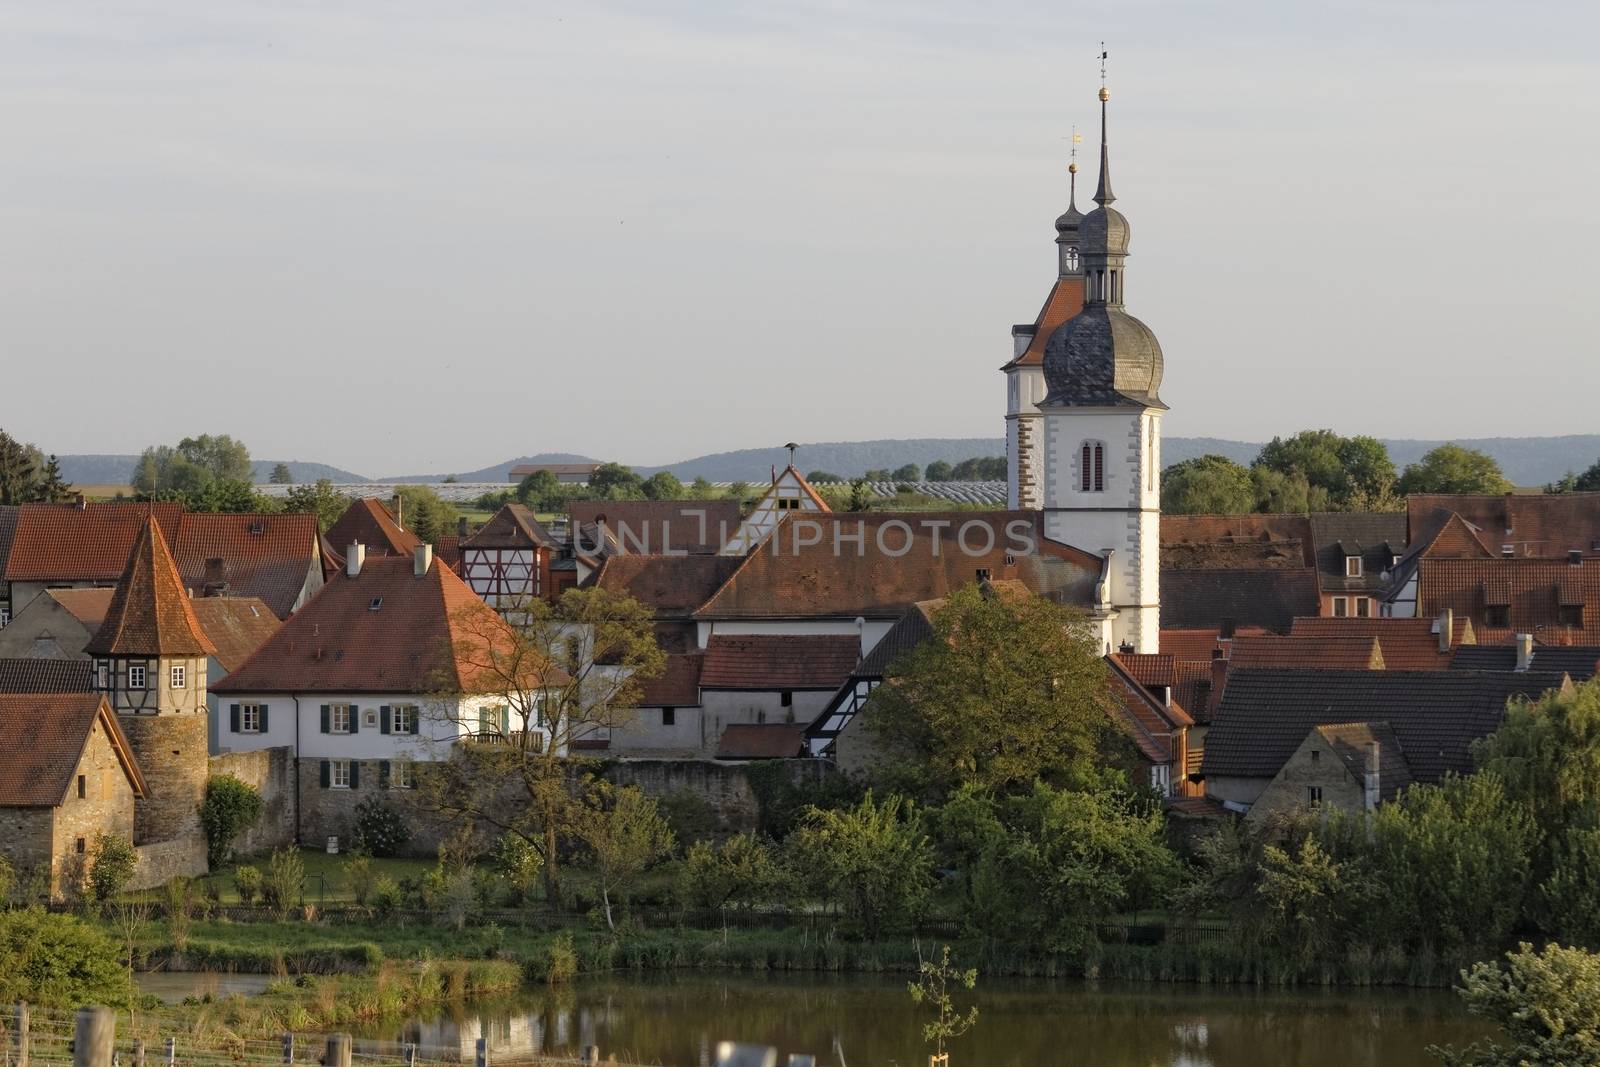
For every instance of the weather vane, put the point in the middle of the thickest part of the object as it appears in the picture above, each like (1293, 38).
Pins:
(1103, 55)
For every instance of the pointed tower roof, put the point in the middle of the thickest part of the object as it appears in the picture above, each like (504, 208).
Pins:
(150, 613)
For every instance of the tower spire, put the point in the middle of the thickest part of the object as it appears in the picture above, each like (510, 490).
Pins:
(1103, 194)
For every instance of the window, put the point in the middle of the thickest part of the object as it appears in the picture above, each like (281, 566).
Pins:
(340, 718)
(788, 503)
(1341, 607)
(494, 721)
(786, 698)
(1352, 566)
(249, 718)
(404, 719)
(1161, 778)
(402, 775)
(369, 718)
(102, 675)
(83, 787)
(178, 673)
(1092, 467)
(136, 676)
(1316, 756)
(669, 716)
(983, 574)
(79, 846)
(1314, 794)
(5, 616)
(339, 774)
(1497, 615)
(1363, 607)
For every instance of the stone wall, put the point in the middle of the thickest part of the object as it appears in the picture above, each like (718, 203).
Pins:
(172, 753)
(26, 836)
(724, 786)
(162, 861)
(271, 771)
(326, 811)
(1314, 765)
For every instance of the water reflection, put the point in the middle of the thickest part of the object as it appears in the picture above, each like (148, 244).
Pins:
(870, 1022)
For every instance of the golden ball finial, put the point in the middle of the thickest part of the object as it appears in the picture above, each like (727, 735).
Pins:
(1072, 168)
(1105, 94)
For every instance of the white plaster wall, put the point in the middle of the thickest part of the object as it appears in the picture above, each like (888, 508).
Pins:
(436, 734)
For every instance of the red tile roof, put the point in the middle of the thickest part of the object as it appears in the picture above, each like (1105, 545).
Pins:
(385, 631)
(150, 613)
(1539, 525)
(1065, 301)
(1408, 644)
(266, 556)
(64, 542)
(1196, 645)
(1354, 652)
(1154, 727)
(1533, 593)
(368, 522)
(672, 586)
(513, 526)
(660, 526)
(678, 684)
(1192, 541)
(766, 741)
(236, 625)
(1149, 669)
(779, 661)
(42, 738)
(36, 675)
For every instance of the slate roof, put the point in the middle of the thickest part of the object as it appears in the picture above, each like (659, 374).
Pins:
(909, 631)
(150, 613)
(266, 556)
(658, 526)
(1533, 591)
(790, 578)
(338, 643)
(763, 741)
(779, 661)
(366, 521)
(513, 526)
(42, 738)
(1580, 662)
(1269, 598)
(35, 675)
(9, 514)
(1539, 525)
(65, 542)
(1264, 715)
(671, 586)
(1349, 741)
(236, 625)
(1355, 652)
(1377, 537)
(678, 684)
(1408, 644)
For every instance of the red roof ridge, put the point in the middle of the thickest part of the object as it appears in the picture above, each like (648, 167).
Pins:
(149, 613)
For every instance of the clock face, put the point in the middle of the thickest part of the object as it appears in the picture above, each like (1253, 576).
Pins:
(1069, 258)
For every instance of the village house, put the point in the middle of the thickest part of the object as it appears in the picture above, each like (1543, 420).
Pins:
(1349, 768)
(69, 775)
(507, 561)
(368, 523)
(789, 494)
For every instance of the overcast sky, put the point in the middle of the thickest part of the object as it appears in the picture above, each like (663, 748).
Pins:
(407, 236)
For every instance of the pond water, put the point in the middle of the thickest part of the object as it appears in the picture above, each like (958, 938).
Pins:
(855, 1021)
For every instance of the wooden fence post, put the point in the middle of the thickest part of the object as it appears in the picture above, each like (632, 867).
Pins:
(138, 1052)
(172, 1052)
(338, 1054)
(482, 1057)
(94, 1038)
(20, 1038)
(411, 1054)
(288, 1048)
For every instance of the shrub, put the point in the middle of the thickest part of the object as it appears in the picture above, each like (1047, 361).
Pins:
(358, 876)
(380, 829)
(560, 960)
(286, 879)
(57, 961)
(740, 873)
(520, 865)
(179, 896)
(386, 896)
(8, 878)
(873, 861)
(112, 866)
(230, 808)
(247, 883)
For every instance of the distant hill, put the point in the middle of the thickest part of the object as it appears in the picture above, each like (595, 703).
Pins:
(117, 470)
(498, 473)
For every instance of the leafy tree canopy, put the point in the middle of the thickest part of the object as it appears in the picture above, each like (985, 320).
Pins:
(907, 472)
(1546, 1003)
(1207, 485)
(192, 464)
(1453, 469)
(320, 499)
(613, 481)
(57, 961)
(938, 471)
(663, 485)
(1344, 467)
(22, 467)
(426, 513)
(281, 475)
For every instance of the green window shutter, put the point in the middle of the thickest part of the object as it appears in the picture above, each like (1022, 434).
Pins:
(261, 715)
(505, 719)
(355, 774)
(327, 771)
(233, 717)
(383, 774)
(325, 711)
(355, 727)
(383, 719)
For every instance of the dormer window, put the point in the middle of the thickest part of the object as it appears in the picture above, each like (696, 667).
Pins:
(1352, 566)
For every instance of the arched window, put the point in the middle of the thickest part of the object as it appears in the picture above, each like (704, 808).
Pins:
(1092, 467)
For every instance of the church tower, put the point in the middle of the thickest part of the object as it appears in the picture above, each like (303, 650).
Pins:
(1101, 417)
(150, 657)
(1025, 384)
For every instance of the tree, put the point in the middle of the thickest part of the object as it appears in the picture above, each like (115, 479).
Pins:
(938, 471)
(427, 514)
(663, 485)
(1306, 899)
(907, 472)
(1589, 480)
(861, 496)
(700, 488)
(320, 500)
(193, 464)
(738, 490)
(58, 961)
(231, 496)
(1005, 690)
(823, 478)
(613, 481)
(281, 475)
(980, 469)
(541, 491)
(1207, 485)
(1547, 1004)
(1278, 493)
(229, 809)
(932, 987)
(878, 474)
(19, 470)
(557, 673)
(50, 487)
(1453, 469)
(742, 872)
(1342, 466)
(625, 835)
(874, 861)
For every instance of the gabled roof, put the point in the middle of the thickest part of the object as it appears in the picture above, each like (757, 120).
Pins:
(66, 542)
(1150, 669)
(1349, 741)
(678, 684)
(1154, 726)
(876, 565)
(1538, 525)
(513, 526)
(671, 586)
(266, 556)
(34, 675)
(236, 625)
(1065, 301)
(1376, 537)
(1270, 598)
(1579, 662)
(42, 738)
(1355, 652)
(1196, 645)
(909, 631)
(764, 741)
(661, 526)
(150, 613)
(779, 661)
(1533, 593)
(1408, 644)
(368, 522)
(1265, 714)
(384, 631)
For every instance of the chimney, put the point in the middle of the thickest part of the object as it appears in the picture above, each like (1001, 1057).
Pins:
(399, 509)
(1447, 629)
(1372, 775)
(1226, 630)
(421, 560)
(354, 557)
(80, 501)
(1219, 680)
(1126, 648)
(1575, 557)
(1524, 652)
(216, 576)
(461, 528)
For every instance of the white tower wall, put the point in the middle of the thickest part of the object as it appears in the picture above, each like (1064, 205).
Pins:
(1025, 388)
